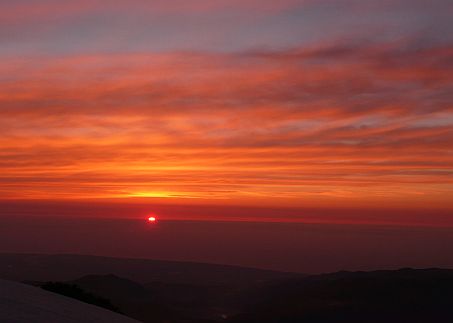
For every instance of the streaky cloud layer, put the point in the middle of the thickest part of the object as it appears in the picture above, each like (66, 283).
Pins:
(341, 123)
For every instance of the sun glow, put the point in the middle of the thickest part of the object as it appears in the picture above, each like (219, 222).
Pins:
(151, 194)
(152, 219)
(165, 194)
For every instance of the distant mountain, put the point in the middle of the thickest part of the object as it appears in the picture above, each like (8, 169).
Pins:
(399, 296)
(41, 267)
(20, 303)
(161, 291)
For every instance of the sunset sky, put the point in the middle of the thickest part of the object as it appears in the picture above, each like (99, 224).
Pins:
(286, 104)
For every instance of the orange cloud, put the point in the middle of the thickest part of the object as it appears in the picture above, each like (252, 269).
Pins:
(351, 125)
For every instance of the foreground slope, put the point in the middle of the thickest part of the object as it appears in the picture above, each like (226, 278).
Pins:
(21, 303)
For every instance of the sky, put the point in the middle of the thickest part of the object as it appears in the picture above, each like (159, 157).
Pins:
(259, 107)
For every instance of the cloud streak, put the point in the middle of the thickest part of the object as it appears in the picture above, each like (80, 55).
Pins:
(340, 123)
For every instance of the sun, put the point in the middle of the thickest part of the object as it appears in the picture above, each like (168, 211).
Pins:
(152, 219)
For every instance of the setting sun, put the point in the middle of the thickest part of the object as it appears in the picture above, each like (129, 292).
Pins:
(152, 219)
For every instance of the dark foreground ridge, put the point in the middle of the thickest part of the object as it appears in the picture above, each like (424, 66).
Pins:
(214, 295)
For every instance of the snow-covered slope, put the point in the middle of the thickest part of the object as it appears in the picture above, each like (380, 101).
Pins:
(21, 303)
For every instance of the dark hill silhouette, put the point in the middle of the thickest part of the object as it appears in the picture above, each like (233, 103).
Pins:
(406, 295)
(213, 293)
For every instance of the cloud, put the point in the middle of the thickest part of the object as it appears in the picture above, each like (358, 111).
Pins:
(347, 123)
(69, 27)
